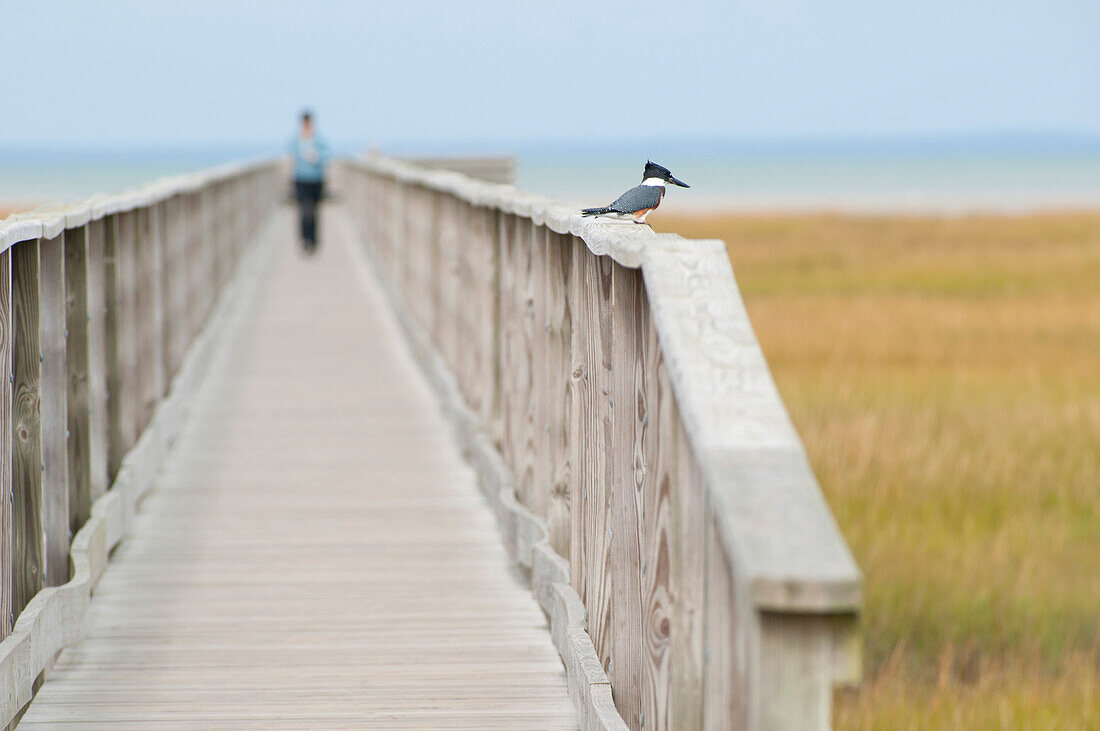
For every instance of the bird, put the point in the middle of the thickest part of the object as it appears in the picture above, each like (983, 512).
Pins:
(642, 199)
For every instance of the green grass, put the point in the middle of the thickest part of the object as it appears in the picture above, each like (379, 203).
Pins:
(945, 377)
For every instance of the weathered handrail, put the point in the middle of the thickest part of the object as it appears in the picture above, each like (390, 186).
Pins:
(101, 307)
(490, 168)
(618, 374)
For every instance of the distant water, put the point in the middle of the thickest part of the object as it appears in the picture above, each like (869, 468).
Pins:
(56, 177)
(944, 180)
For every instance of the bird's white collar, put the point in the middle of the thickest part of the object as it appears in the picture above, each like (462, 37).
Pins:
(654, 182)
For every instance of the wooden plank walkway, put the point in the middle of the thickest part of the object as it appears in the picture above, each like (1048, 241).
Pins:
(315, 552)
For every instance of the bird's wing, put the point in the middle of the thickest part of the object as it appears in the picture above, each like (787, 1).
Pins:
(638, 198)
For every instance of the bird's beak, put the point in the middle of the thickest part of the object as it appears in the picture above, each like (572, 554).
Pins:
(680, 183)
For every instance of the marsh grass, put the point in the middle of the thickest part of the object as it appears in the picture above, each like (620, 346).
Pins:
(944, 374)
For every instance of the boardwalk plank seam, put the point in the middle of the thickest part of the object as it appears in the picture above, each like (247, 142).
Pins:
(57, 616)
(255, 592)
(525, 535)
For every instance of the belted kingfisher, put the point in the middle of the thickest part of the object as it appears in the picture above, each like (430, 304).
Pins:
(641, 199)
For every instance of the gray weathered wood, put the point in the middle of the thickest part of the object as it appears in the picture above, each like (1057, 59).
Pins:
(98, 474)
(524, 397)
(558, 366)
(143, 310)
(592, 455)
(677, 484)
(510, 346)
(54, 420)
(420, 579)
(494, 169)
(729, 690)
(726, 526)
(157, 378)
(38, 302)
(113, 337)
(29, 545)
(632, 677)
(121, 337)
(169, 285)
(7, 555)
(76, 352)
(536, 344)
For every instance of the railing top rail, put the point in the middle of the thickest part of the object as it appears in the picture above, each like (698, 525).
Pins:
(624, 242)
(775, 525)
(50, 220)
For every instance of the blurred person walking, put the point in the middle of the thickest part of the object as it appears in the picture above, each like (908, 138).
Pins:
(310, 153)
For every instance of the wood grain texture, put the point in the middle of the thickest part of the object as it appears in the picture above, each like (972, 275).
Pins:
(558, 367)
(770, 511)
(113, 339)
(29, 545)
(54, 420)
(76, 355)
(593, 453)
(54, 618)
(531, 483)
(157, 378)
(126, 301)
(143, 309)
(396, 604)
(170, 286)
(580, 400)
(730, 692)
(491, 407)
(677, 482)
(7, 548)
(630, 672)
(697, 488)
(98, 476)
(511, 341)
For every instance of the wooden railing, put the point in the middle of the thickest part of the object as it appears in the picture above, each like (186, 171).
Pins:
(100, 303)
(491, 168)
(616, 374)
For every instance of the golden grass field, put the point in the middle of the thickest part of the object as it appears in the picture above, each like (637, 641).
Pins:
(944, 374)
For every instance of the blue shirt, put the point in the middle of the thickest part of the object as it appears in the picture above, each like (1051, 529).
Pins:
(310, 155)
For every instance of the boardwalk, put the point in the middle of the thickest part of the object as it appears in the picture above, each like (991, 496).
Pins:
(314, 553)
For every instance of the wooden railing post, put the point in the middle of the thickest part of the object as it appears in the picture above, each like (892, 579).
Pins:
(193, 252)
(53, 391)
(99, 475)
(590, 554)
(99, 302)
(7, 508)
(77, 320)
(171, 285)
(143, 308)
(208, 250)
(558, 365)
(29, 545)
(618, 376)
(120, 244)
(154, 338)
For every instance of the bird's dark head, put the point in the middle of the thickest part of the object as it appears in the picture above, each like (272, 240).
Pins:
(653, 171)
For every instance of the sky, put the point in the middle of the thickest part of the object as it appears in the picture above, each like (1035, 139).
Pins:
(132, 74)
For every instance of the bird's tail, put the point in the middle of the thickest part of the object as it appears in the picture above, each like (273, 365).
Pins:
(595, 211)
